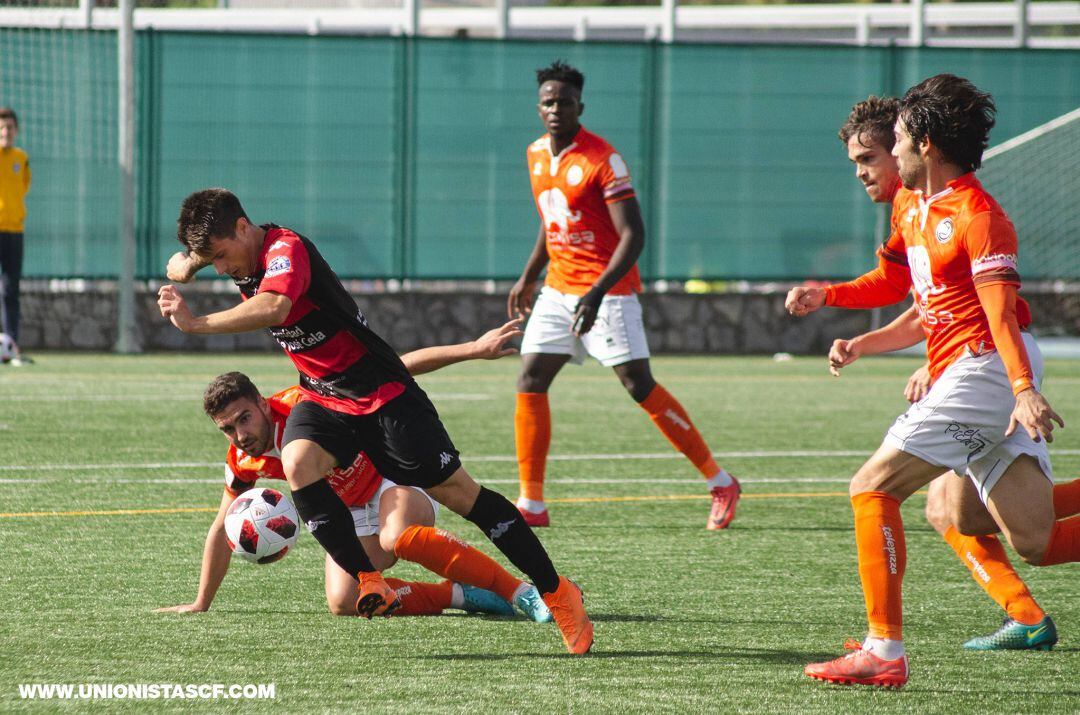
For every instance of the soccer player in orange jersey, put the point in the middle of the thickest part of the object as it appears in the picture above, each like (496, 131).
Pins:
(391, 521)
(984, 414)
(953, 507)
(591, 234)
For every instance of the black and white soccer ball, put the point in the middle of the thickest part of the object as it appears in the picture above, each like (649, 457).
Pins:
(261, 525)
(8, 350)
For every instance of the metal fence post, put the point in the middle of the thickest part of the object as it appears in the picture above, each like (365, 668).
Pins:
(126, 338)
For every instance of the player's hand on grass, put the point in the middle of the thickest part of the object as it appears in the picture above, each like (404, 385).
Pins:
(182, 267)
(174, 307)
(519, 303)
(841, 354)
(918, 384)
(585, 314)
(802, 300)
(1034, 414)
(492, 344)
(183, 608)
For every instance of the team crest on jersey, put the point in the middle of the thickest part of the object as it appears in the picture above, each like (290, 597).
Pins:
(574, 175)
(277, 266)
(537, 169)
(944, 231)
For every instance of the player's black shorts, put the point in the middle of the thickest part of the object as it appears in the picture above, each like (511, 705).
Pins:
(404, 439)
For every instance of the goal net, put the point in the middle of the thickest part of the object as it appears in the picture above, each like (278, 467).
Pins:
(1036, 179)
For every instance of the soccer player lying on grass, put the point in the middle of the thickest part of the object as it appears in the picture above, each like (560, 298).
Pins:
(591, 234)
(952, 506)
(357, 397)
(391, 521)
(984, 415)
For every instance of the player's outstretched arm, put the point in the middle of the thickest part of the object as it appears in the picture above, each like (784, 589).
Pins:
(215, 564)
(489, 346)
(626, 217)
(182, 267)
(903, 332)
(519, 302)
(264, 310)
(804, 300)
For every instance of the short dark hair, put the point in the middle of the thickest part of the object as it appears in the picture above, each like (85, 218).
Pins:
(9, 113)
(953, 114)
(559, 71)
(206, 214)
(875, 117)
(225, 389)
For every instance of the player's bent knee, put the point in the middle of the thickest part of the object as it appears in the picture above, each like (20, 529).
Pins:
(341, 608)
(937, 516)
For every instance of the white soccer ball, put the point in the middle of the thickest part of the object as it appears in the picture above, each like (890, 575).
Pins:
(261, 525)
(7, 348)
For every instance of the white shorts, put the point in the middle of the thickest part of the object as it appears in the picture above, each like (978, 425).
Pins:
(366, 516)
(617, 336)
(961, 422)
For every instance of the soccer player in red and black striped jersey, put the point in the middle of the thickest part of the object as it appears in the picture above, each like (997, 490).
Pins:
(358, 396)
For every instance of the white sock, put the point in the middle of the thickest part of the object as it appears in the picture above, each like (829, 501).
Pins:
(720, 479)
(884, 648)
(457, 597)
(536, 506)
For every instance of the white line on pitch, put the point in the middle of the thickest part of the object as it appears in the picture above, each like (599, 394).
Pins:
(467, 459)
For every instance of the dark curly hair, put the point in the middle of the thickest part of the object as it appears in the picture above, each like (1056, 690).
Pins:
(225, 389)
(559, 71)
(953, 114)
(206, 214)
(873, 117)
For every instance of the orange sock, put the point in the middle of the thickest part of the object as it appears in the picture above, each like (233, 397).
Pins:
(667, 414)
(450, 557)
(1064, 546)
(879, 535)
(421, 599)
(990, 567)
(1067, 499)
(532, 437)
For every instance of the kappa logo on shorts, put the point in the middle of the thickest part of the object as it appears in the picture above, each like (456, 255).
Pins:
(445, 458)
(277, 266)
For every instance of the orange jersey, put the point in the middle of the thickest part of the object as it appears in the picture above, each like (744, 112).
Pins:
(355, 484)
(946, 247)
(572, 192)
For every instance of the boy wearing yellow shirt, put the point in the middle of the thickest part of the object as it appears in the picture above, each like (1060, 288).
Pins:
(14, 185)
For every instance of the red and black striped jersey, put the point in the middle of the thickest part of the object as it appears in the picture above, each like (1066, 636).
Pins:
(343, 364)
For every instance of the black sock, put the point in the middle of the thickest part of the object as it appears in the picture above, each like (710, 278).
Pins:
(329, 521)
(502, 523)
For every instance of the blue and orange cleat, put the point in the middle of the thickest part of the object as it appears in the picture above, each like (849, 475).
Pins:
(480, 600)
(530, 603)
(1014, 635)
(861, 667)
(724, 500)
(375, 598)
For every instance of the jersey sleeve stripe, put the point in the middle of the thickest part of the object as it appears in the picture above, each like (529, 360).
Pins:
(1003, 275)
(893, 256)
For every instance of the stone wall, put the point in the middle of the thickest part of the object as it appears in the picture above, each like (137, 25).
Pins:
(732, 323)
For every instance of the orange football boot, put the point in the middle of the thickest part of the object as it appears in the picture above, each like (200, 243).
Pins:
(376, 598)
(861, 667)
(724, 500)
(568, 607)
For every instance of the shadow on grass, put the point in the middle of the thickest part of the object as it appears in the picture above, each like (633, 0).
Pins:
(760, 655)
